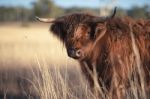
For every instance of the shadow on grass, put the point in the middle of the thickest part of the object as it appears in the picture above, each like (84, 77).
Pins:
(28, 83)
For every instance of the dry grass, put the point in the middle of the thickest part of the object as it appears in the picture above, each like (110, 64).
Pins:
(23, 43)
(34, 62)
(34, 65)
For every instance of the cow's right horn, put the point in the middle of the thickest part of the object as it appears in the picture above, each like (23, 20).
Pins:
(48, 20)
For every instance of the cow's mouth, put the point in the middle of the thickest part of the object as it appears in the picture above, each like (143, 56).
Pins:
(74, 57)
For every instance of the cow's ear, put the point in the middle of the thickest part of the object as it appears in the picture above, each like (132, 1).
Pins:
(58, 30)
(100, 30)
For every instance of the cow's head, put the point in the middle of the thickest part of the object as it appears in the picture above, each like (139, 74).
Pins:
(79, 32)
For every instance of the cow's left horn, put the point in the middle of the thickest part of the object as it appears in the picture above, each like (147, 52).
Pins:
(103, 19)
(114, 13)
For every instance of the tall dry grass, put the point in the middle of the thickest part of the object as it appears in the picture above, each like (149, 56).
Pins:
(34, 65)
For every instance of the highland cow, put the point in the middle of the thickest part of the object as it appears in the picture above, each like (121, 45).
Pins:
(106, 46)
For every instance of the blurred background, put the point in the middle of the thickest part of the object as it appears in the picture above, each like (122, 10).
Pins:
(22, 37)
(18, 10)
(26, 44)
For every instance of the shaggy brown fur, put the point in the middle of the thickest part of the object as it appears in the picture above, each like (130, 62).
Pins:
(113, 55)
(106, 46)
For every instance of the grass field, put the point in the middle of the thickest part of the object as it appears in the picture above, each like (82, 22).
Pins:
(24, 43)
(24, 53)
(34, 65)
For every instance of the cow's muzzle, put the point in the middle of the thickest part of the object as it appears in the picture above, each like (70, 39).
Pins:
(74, 53)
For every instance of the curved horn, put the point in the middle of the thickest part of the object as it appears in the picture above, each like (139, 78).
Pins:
(114, 13)
(46, 20)
(102, 19)
(49, 20)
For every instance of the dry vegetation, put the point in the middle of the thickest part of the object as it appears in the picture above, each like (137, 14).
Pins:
(24, 43)
(34, 64)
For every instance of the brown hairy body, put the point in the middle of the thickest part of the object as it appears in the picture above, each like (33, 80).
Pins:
(112, 48)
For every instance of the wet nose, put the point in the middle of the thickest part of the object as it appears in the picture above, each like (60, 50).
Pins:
(71, 52)
(78, 53)
(74, 53)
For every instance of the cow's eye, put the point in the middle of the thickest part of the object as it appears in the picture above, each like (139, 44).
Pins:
(99, 30)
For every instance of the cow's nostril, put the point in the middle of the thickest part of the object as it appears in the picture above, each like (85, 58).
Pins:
(71, 51)
(78, 53)
(74, 53)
